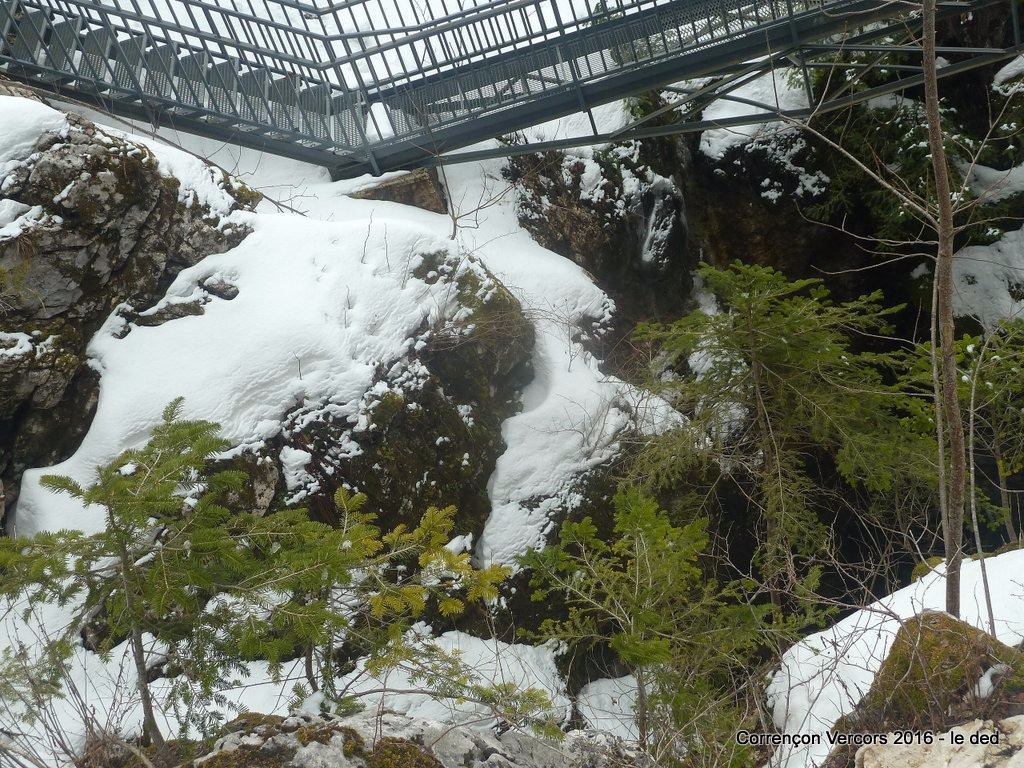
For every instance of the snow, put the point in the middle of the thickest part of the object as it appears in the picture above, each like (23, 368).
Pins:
(308, 332)
(22, 123)
(608, 118)
(316, 337)
(16, 218)
(608, 705)
(990, 185)
(11, 211)
(987, 682)
(378, 123)
(1014, 69)
(15, 344)
(823, 676)
(293, 463)
(778, 90)
(488, 661)
(988, 279)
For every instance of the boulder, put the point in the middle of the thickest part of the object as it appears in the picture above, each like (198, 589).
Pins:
(91, 223)
(978, 743)
(420, 188)
(430, 429)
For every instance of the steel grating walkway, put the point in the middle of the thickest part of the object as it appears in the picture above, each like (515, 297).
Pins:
(374, 85)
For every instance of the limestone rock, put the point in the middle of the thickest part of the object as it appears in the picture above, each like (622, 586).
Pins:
(97, 225)
(620, 215)
(10, 88)
(430, 433)
(943, 753)
(420, 188)
(929, 678)
(387, 739)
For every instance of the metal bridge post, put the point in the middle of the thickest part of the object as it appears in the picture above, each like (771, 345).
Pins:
(799, 50)
(364, 97)
(1015, 17)
(573, 70)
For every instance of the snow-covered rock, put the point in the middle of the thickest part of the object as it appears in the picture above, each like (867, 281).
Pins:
(88, 220)
(826, 675)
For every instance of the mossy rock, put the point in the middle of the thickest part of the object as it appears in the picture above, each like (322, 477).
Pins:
(1010, 546)
(931, 563)
(929, 676)
(490, 349)
(389, 406)
(399, 753)
(101, 752)
(420, 188)
(251, 721)
(249, 756)
(435, 443)
(320, 733)
(414, 457)
(927, 566)
(247, 197)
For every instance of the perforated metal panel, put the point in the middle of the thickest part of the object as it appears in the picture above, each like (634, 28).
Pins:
(253, 89)
(314, 107)
(64, 45)
(284, 110)
(29, 33)
(159, 65)
(96, 63)
(347, 118)
(7, 10)
(128, 58)
(190, 80)
(223, 80)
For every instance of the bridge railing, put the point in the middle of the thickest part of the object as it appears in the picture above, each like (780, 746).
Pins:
(359, 72)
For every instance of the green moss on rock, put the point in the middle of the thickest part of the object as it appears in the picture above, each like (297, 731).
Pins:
(398, 753)
(248, 756)
(387, 408)
(251, 721)
(929, 676)
(925, 567)
(247, 197)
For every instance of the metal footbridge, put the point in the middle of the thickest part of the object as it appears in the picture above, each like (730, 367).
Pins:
(375, 85)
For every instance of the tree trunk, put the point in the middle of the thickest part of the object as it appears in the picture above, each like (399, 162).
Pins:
(149, 724)
(150, 729)
(772, 566)
(953, 515)
(642, 725)
(1004, 493)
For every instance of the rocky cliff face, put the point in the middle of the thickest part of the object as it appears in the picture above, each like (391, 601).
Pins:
(619, 213)
(88, 221)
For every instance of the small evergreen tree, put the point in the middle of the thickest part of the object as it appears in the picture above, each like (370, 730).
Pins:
(643, 592)
(779, 384)
(177, 568)
(989, 391)
(997, 422)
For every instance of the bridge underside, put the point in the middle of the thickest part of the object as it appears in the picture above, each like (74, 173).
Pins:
(299, 107)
